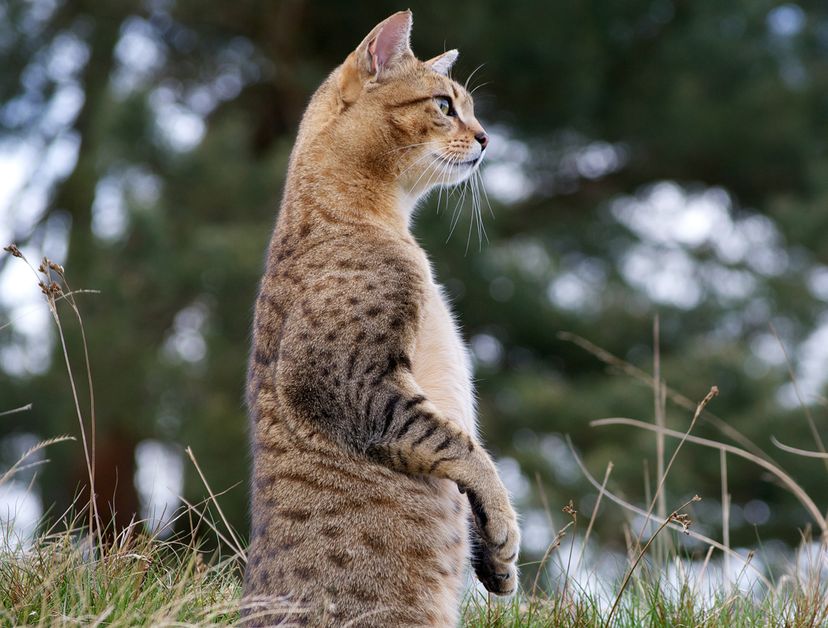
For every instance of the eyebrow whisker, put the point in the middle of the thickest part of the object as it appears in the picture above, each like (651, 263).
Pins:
(473, 72)
(479, 86)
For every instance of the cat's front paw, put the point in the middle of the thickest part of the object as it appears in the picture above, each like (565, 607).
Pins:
(497, 525)
(498, 577)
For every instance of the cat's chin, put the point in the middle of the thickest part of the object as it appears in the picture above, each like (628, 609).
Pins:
(460, 165)
(441, 172)
(457, 172)
(460, 173)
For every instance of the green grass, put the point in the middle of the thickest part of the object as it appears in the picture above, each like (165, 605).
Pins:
(139, 580)
(134, 580)
(644, 610)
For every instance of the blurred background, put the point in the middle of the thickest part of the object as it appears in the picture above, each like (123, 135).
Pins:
(649, 159)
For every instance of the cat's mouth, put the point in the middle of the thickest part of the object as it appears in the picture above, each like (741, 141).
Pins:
(468, 163)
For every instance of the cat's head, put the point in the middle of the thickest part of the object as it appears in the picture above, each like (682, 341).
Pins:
(404, 116)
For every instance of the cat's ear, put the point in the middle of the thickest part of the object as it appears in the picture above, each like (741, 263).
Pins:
(442, 63)
(384, 47)
(388, 43)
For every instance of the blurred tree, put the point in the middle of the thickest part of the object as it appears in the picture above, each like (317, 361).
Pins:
(648, 156)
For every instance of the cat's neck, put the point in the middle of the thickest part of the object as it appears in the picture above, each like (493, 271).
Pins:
(351, 191)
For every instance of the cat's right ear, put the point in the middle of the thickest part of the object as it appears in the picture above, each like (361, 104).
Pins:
(442, 63)
(384, 47)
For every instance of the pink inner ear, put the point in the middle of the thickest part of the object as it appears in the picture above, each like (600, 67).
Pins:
(372, 50)
(390, 41)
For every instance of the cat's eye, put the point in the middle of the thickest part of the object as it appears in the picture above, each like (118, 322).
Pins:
(445, 106)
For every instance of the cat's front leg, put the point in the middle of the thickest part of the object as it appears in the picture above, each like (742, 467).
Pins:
(414, 438)
(498, 538)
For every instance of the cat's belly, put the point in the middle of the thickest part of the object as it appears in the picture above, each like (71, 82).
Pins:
(441, 363)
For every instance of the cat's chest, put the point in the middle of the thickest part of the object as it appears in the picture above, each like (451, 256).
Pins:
(441, 363)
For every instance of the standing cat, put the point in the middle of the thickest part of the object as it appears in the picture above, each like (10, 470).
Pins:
(359, 385)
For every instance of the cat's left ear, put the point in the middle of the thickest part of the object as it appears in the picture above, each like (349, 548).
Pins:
(442, 63)
(378, 54)
(389, 42)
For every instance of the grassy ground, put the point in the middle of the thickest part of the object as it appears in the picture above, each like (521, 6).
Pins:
(66, 579)
(135, 580)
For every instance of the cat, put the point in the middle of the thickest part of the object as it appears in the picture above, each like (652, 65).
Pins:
(370, 486)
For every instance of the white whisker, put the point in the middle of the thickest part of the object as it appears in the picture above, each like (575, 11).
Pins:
(471, 216)
(422, 174)
(485, 193)
(473, 72)
(478, 213)
(399, 148)
(458, 210)
(438, 172)
(419, 159)
(474, 218)
(440, 189)
(479, 86)
(482, 224)
(443, 186)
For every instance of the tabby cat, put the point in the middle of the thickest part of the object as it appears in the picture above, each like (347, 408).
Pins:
(370, 486)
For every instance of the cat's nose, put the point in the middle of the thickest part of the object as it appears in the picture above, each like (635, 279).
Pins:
(483, 139)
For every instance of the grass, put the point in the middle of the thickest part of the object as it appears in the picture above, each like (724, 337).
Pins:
(647, 607)
(66, 579)
(85, 574)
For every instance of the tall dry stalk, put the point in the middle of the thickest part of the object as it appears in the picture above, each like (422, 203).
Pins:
(675, 517)
(805, 408)
(676, 397)
(236, 544)
(663, 478)
(594, 514)
(725, 507)
(641, 513)
(659, 413)
(51, 279)
(786, 480)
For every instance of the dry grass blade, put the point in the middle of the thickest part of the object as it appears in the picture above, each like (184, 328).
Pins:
(659, 411)
(725, 505)
(700, 577)
(25, 408)
(555, 544)
(95, 521)
(640, 511)
(807, 453)
(237, 553)
(595, 511)
(17, 466)
(783, 477)
(70, 299)
(808, 416)
(680, 400)
(682, 519)
(54, 289)
(660, 430)
(236, 545)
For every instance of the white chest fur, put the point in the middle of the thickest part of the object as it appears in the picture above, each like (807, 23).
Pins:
(441, 363)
